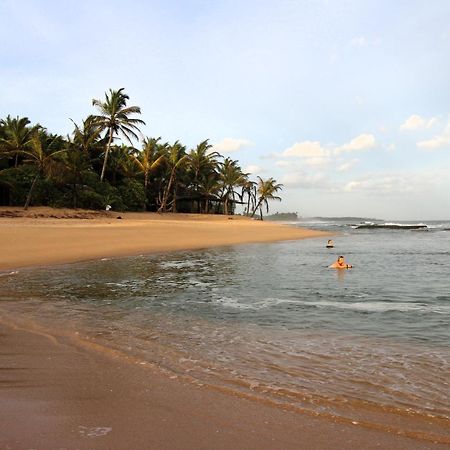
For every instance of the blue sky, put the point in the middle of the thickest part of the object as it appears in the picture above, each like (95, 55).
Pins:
(347, 103)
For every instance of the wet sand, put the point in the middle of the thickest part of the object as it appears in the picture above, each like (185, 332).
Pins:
(44, 236)
(59, 392)
(56, 393)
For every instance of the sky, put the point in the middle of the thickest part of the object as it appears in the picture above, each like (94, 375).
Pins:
(344, 102)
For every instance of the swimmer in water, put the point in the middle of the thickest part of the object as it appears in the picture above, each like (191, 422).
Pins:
(330, 244)
(340, 264)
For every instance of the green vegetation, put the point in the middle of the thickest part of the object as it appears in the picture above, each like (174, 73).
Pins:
(93, 168)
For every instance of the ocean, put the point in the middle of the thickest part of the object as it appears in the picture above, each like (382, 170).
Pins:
(271, 322)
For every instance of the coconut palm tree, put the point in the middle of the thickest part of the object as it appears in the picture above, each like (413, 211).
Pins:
(16, 137)
(75, 167)
(149, 159)
(202, 162)
(231, 176)
(266, 190)
(43, 154)
(87, 138)
(209, 187)
(175, 159)
(115, 118)
(249, 189)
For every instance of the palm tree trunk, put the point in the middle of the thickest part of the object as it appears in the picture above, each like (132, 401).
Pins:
(174, 203)
(30, 193)
(166, 193)
(256, 207)
(145, 190)
(108, 146)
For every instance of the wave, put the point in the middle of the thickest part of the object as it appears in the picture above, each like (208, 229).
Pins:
(365, 306)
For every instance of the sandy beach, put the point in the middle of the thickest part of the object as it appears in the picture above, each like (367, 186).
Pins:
(43, 236)
(59, 390)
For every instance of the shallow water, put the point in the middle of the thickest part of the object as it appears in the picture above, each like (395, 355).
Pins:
(272, 321)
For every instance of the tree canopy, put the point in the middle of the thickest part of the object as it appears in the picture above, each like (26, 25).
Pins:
(106, 160)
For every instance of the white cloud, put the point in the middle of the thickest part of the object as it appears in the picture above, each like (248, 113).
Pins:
(283, 163)
(300, 180)
(252, 169)
(231, 145)
(361, 142)
(345, 167)
(415, 122)
(306, 149)
(440, 141)
(393, 182)
(318, 161)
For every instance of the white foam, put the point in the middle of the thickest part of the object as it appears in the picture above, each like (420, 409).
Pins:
(7, 274)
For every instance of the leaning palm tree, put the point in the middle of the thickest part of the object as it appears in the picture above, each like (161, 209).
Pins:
(44, 152)
(16, 137)
(115, 118)
(266, 190)
(175, 158)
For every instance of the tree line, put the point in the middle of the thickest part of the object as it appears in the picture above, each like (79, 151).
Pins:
(98, 165)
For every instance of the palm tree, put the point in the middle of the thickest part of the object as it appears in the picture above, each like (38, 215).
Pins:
(249, 189)
(17, 136)
(231, 176)
(209, 187)
(114, 118)
(266, 190)
(176, 158)
(87, 137)
(202, 162)
(43, 153)
(149, 159)
(75, 166)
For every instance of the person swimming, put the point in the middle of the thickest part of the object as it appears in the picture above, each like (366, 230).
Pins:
(330, 244)
(340, 264)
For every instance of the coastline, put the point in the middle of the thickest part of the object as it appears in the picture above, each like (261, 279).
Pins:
(71, 394)
(44, 236)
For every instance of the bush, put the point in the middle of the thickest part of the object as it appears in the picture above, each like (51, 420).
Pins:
(133, 195)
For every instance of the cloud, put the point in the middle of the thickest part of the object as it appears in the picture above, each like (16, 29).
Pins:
(231, 145)
(306, 149)
(252, 169)
(415, 122)
(345, 167)
(283, 163)
(300, 180)
(361, 142)
(440, 141)
(318, 161)
(394, 182)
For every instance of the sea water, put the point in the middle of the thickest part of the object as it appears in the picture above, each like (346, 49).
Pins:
(272, 322)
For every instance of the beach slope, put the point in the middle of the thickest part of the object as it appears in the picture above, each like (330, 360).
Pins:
(45, 236)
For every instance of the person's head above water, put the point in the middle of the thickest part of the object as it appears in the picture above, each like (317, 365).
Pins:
(340, 264)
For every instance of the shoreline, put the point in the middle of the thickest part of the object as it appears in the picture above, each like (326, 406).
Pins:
(45, 236)
(68, 395)
(69, 392)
